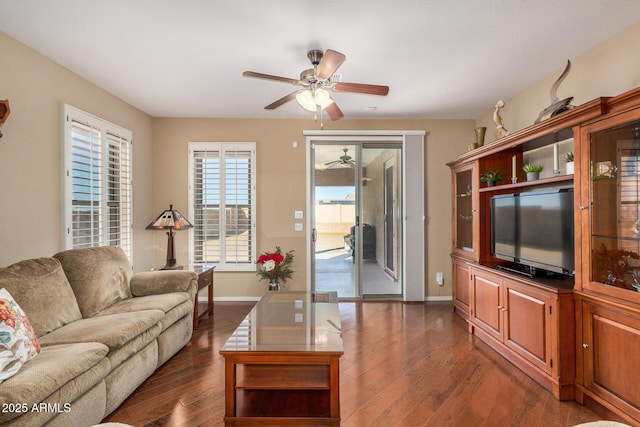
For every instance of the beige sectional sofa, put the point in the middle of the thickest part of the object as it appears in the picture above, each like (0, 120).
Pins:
(102, 332)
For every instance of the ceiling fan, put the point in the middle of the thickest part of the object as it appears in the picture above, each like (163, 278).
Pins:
(344, 161)
(313, 95)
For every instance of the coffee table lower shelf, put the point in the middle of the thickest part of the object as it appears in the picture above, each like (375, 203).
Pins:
(282, 389)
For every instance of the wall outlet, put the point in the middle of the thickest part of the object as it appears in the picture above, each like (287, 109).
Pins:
(439, 278)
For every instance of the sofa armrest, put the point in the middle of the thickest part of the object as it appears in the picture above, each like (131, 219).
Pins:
(164, 281)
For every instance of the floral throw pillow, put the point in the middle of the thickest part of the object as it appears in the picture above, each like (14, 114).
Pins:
(18, 342)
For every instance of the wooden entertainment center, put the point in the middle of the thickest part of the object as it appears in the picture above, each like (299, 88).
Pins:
(576, 334)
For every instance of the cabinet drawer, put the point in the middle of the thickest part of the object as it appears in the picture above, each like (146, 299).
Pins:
(205, 280)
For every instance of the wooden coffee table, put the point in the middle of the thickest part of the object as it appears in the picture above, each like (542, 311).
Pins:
(282, 364)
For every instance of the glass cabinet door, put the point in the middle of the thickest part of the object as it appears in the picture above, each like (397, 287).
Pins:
(465, 202)
(614, 179)
(464, 208)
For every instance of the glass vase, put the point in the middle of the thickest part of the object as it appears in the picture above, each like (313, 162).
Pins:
(274, 285)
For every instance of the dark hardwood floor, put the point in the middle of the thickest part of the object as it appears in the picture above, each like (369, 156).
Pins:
(403, 365)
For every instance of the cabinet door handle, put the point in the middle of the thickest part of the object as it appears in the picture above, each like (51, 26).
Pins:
(585, 345)
(583, 208)
(501, 308)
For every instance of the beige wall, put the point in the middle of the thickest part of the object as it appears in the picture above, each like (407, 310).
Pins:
(281, 183)
(608, 69)
(30, 171)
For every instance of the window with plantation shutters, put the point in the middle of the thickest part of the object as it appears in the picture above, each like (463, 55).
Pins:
(97, 183)
(222, 205)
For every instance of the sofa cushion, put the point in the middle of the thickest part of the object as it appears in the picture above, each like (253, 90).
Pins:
(99, 276)
(175, 305)
(86, 410)
(164, 281)
(123, 333)
(67, 370)
(18, 342)
(35, 284)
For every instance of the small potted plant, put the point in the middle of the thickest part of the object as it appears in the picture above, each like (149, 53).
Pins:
(569, 159)
(532, 171)
(491, 177)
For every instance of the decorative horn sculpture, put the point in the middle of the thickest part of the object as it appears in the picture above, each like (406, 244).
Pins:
(557, 106)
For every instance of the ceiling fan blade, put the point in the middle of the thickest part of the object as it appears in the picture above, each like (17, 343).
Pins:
(361, 88)
(329, 63)
(334, 112)
(281, 101)
(255, 75)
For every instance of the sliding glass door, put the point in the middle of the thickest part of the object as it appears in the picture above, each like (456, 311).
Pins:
(380, 208)
(334, 214)
(356, 218)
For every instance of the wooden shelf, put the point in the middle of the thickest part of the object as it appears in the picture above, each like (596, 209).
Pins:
(543, 181)
(274, 377)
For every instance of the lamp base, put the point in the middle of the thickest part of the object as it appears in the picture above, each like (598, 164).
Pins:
(171, 253)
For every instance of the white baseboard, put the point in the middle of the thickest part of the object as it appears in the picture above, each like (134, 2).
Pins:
(439, 298)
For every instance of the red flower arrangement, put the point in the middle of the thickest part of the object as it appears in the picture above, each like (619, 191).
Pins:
(275, 266)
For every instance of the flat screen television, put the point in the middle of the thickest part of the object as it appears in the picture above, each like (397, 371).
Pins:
(533, 231)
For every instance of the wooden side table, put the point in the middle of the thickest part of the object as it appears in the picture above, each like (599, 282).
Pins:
(205, 280)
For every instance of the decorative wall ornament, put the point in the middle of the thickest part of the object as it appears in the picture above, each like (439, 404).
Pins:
(4, 112)
(557, 105)
(502, 131)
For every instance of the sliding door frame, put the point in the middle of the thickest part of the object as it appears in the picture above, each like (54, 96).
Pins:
(413, 205)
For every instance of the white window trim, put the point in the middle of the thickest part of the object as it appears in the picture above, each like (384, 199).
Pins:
(69, 115)
(224, 146)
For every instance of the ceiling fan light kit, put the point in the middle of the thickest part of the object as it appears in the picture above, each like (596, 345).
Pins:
(306, 100)
(312, 100)
(315, 96)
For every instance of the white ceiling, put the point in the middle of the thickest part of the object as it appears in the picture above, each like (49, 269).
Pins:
(441, 58)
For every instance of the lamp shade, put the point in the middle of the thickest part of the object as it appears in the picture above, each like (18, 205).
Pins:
(170, 220)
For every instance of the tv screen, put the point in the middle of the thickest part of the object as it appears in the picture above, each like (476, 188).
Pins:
(534, 229)
(546, 230)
